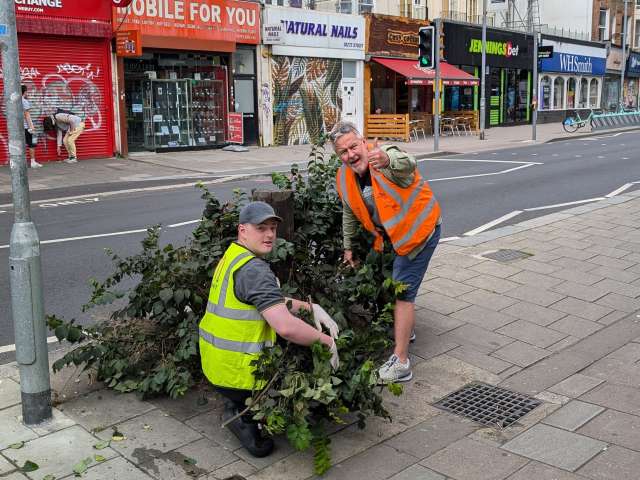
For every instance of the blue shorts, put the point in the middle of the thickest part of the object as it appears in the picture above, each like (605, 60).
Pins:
(412, 272)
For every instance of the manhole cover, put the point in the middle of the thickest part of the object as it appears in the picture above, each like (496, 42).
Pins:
(506, 255)
(488, 405)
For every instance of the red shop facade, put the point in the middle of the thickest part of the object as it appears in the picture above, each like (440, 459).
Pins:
(65, 62)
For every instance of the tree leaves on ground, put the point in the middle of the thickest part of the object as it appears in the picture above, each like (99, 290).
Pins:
(29, 466)
(150, 343)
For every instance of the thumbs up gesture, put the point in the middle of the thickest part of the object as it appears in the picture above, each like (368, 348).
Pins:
(377, 157)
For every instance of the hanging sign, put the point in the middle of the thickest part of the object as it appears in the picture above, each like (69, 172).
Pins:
(128, 43)
(545, 51)
(235, 132)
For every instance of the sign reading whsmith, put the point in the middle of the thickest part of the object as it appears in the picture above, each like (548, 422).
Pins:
(389, 36)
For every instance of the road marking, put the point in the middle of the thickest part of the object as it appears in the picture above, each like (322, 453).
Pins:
(578, 156)
(86, 237)
(567, 204)
(79, 201)
(181, 224)
(131, 190)
(516, 162)
(619, 190)
(448, 239)
(534, 154)
(12, 348)
(502, 172)
(554, 154)
(492, 223)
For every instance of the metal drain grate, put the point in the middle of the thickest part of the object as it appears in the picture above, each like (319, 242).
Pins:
(488, 405)
(506, 255)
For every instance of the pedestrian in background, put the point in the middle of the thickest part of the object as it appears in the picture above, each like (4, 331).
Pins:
(382, 189)
(245, 311)
(29, 129)
(69, 127)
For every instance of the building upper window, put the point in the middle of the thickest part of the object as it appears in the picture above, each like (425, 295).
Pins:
(636, 36)
(603, 25)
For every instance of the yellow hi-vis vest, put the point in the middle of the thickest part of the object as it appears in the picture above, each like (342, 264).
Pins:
(232, 333)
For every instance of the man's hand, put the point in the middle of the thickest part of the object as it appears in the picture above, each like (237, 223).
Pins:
(335, 358)
(321, 316)
(59, 150)
(348, 258)
(377, 157)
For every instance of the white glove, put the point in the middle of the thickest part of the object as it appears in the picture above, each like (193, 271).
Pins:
(30, 130)
(335, 359)
(323, 317)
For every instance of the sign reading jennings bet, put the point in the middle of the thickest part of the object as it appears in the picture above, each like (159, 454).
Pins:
(314, 34)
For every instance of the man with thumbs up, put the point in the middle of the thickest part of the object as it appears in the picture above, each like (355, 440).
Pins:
(382, 189)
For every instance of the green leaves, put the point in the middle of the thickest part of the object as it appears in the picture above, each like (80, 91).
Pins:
(82, 466)
(299, 436)
(16, 445)
(29, 466)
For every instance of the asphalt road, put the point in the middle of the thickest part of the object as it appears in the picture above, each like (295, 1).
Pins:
(474, 190)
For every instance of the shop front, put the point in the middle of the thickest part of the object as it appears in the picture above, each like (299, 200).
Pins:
(195, 64)
(632, 79)
(314, 63)
(397, 90)
(509, 61)
(611, 83)
(571, 79)
(65, 62)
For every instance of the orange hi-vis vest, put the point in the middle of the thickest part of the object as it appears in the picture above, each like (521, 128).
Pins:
(409, 215)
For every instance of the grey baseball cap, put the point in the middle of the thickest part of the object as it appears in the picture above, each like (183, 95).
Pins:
(257, 212)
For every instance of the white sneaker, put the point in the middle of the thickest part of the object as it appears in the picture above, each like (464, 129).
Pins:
(412, 337)
(395, 371)
(71, 160)
(35, 164)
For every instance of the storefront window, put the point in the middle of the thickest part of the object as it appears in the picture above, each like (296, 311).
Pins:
(382, 87)
(571, 93)
(458, 98)
(584, 93)
(593, 93)
(545, 93)
(243, 62)
(558, 93)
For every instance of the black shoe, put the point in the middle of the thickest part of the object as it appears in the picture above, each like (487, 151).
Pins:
(249, 435)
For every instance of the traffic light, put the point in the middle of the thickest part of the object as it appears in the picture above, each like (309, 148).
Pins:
(426, 57)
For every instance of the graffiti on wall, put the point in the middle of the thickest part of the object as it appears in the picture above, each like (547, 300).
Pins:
(70, 87)
(306, 98)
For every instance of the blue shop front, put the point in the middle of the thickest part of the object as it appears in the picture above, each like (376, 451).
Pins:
(572, 79)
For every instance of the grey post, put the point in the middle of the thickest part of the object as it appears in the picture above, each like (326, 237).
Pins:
(623, 42)
(483, 69)
(534, 113)
(436, 87)
(25, 275)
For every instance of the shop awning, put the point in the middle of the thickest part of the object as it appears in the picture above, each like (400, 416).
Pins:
(416, 75)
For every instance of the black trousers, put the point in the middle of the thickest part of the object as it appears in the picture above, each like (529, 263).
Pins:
(236, 398)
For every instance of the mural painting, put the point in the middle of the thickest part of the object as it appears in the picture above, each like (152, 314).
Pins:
(306, 98)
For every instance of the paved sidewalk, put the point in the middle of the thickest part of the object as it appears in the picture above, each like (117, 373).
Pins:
(183, 166)
(560, 325)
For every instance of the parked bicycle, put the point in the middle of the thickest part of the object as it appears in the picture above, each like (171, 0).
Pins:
(574, 122)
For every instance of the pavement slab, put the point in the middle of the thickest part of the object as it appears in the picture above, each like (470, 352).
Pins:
(615, 427)
(496, 269)
(533, 313)
(487, 299)
(491, 283)
(619, 397)
(539, 471)
(477, 337)
(9, 392)
(573, 415)
(576, 326)
(580, 308)
(377, 463)
(521, 354)
(150, 435)
(104, 408)
(538, 296)
(6, 466)
(194, 402)
(452, 273)
(556, 447)
(428, 437)
(616, 463)
(444, 286)
(576, 276)
(534, 279)
(470, 459)
(434, 321)
(479, 359)
(483, 317)
(440, 303)
(576, 385)
(240, 468)
(57, 453)
(417, 472)
(115, 469)
(619, 302)
(13, 430)
(209, 425)
(531, 333)
(583, 292)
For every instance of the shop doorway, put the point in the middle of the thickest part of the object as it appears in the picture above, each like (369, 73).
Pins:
(244, 91)
(516, 95)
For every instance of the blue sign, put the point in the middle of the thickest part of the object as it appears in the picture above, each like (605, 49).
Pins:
(3, 30)
(633, 65)
(578, 64)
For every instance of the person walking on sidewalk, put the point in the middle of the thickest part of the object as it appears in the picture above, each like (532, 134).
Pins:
(382, 189)
(245, 312)
(69, 127)
(29, 129)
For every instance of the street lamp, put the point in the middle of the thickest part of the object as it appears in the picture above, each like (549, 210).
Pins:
(624, 42)
(483, 101)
